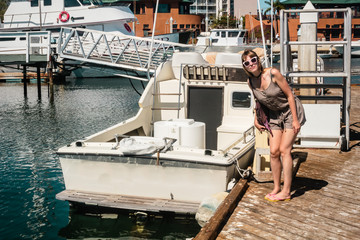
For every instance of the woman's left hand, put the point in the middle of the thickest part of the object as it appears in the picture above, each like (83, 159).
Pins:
(296, 126)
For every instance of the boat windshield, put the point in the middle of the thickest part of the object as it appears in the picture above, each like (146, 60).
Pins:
(89, 2)
(75, 3)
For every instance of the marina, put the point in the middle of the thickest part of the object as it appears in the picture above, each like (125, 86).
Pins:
(152, 150)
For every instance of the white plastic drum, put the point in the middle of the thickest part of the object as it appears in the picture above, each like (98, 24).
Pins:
(187, 132)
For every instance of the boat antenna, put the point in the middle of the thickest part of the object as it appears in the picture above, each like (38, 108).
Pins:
(39, 2)
(152, 39)
(262, 34)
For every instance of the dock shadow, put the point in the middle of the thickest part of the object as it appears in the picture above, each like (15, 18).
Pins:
(303, 184)
(355, 135)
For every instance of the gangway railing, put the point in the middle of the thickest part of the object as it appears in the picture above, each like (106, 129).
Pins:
(114, 49)
(24, 46)
(345, 86)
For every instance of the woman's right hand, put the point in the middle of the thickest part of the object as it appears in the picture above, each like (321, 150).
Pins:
(260, 127)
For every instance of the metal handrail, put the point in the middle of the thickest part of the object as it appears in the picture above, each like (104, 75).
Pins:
(345, 74)
(114, 49)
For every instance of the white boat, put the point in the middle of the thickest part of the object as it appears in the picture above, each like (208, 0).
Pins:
(355, 48)
(206, 109)
(222, 37)
(24, 15)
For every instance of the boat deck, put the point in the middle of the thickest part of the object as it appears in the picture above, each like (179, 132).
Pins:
(128, 202)
(325, 201)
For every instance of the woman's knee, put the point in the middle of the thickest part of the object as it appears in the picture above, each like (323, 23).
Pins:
(275, 153)
(284, 151)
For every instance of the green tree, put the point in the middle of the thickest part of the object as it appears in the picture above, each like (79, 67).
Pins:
(3, 6)
(224, 22)
(278, 6)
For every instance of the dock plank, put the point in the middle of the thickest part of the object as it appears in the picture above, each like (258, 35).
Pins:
(325, 201)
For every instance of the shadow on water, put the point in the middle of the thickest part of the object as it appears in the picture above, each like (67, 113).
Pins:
(100, 224)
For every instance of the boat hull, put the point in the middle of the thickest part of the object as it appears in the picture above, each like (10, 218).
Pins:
(146, 177)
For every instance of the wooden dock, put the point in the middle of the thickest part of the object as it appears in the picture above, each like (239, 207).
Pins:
(325, 197)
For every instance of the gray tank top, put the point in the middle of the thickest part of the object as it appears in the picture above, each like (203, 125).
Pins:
(272, 97)
(276, 101)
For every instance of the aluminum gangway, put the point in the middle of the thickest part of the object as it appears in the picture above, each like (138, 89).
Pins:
(114, 50)
(345, 74)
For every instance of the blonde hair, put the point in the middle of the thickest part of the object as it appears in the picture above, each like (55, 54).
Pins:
(251, 54)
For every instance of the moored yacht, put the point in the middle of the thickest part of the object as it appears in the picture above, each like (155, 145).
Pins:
(51, 15)
(191, 137)
(222, 37)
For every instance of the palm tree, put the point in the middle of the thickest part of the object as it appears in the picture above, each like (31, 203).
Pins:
(277, 5)
(3, 6)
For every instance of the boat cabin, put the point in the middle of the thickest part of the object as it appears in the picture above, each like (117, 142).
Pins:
(223, 37)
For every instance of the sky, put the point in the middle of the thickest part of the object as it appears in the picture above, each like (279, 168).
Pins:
(262, 3)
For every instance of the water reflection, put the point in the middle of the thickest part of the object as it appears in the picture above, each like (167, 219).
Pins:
(128, 225)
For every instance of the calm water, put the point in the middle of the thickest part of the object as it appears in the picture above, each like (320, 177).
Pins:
(32, 130)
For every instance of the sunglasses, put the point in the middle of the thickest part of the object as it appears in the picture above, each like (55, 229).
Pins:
(252, 60)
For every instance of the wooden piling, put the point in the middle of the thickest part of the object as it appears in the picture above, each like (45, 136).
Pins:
(216, 223)
(25, 81)
(38, 81)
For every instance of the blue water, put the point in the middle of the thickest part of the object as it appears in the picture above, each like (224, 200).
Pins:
(32, 130)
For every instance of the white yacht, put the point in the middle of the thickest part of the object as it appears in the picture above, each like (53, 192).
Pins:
(191, 137)
(222, 37)
(51, 15)
(355, 48)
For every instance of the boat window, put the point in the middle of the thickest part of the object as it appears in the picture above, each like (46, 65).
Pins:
(233, 34)
(47, 2)
(223, 34)
(71, 3)
(85, 2)
(97, 2)
(34, 3)
(241, 99)
(242, 34)
(6, 39)
(217, 34)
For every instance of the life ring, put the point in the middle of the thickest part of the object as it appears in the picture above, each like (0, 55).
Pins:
(64, 16)
(127, 27)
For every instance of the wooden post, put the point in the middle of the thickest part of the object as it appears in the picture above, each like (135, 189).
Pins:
(212, 229)
(38, 81)
(307, 54)
(51, 79)
(25, 81)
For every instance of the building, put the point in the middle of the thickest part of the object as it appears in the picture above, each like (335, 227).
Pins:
(173, 16)
(331, 24)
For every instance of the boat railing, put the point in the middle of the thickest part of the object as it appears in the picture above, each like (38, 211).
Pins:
(26, 43)
(242, 140)
(114, 49)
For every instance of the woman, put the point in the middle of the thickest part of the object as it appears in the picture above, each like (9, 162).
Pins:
(286, 116)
